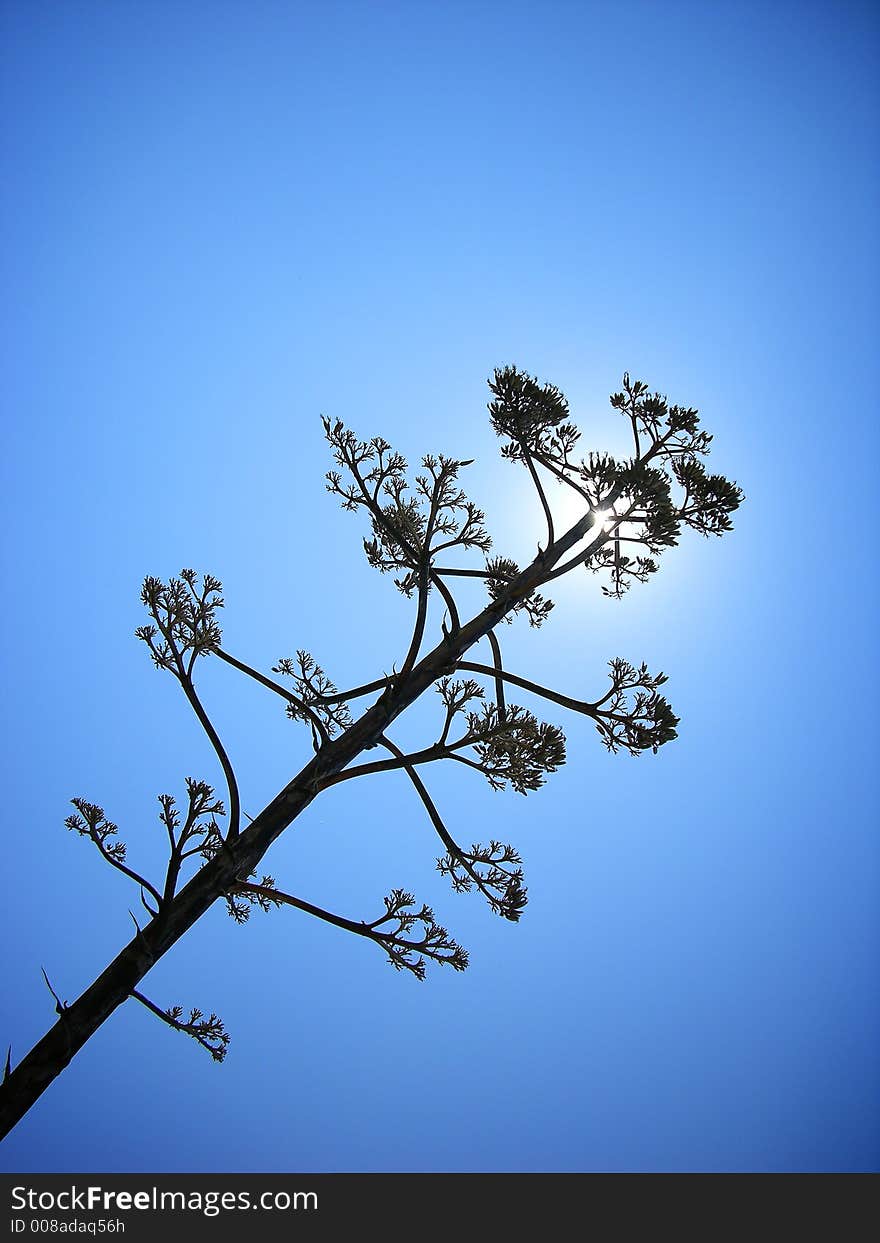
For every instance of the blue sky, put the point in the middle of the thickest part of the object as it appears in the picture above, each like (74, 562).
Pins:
(223, 220)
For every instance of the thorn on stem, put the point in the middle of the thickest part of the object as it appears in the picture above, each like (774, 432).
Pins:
(60, 1006)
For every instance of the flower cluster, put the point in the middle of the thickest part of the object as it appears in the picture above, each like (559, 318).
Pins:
(185, 620)
(315, 691)
(495, 870)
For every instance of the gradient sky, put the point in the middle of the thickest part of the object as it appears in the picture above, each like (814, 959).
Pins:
(222, 220)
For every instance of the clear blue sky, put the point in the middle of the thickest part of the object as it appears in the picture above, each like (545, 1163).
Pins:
(221, 220)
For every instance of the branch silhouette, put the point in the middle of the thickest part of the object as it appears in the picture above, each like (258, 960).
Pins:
(632, 509)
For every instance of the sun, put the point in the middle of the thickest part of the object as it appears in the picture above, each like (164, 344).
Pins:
(568, 507)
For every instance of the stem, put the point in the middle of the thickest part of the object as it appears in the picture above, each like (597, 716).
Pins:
(527, 458)
(287, 899)
(576, 705)
(499, 675)
(303, 707)
(419, 628)
(445, 569)
(228, 772)
(448, 600)
(183, 676)
(127, 871)
(357, 692)
(340, 921)
(562, 475)
(425, 756)
(175, 1024)
(433, 814)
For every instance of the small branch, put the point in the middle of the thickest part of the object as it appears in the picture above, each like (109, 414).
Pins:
(419, 627)
(367, 689)
(271, 685)
(499, 675)
(182, 674)
(424, 578)
(89, 822)
(434, 816)
(635, 432)
(382, 766)
(448, 599)
(436, 944)
(228, 772)
(439, 751)
(527, 458)
(208, 1032)
(375, 509)
(458, 573)
(565, 701)
(447, 724)
(127, 871)
(404, 762)
(561, 475)
(463, 759)
(287, 899)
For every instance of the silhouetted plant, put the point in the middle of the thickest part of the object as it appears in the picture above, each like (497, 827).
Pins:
(633, 509)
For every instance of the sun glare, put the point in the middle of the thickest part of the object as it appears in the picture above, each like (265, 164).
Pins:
(568, 508)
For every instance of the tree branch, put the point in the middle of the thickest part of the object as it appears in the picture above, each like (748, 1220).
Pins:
(228, 772)
(271, 685)
(208, 1032)
(459, 573)
(449, 600)
(433, 814)
(514, 898)
(419, 627)
(425, 756)
(182, 672)
(527, 458)
(565, 701)
(522, 410)
(379, 684)
(435, 943)
(499, 674)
